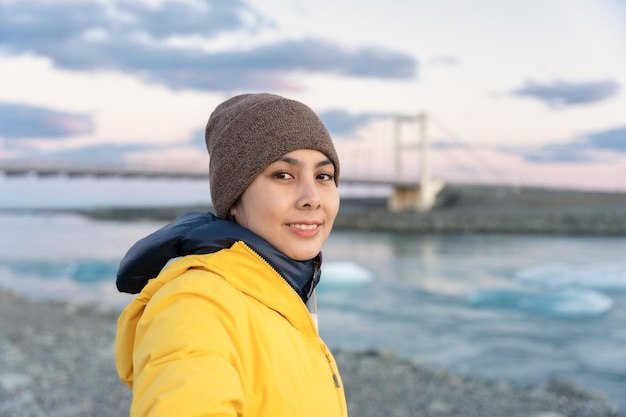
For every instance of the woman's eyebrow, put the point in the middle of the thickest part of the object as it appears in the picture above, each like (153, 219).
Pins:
(298, 163)
(324, 163)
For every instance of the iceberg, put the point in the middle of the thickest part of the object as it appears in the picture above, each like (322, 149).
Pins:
(599, 276)
(344, 274)
(567, 303)
(84, 270)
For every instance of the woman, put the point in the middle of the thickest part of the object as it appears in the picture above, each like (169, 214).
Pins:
(224, 323)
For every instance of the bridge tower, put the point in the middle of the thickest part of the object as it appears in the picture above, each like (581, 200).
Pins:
(406, 196)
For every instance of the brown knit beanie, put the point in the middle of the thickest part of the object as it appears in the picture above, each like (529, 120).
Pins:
(248, 132)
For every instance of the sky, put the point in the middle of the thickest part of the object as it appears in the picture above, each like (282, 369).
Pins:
(526, 93)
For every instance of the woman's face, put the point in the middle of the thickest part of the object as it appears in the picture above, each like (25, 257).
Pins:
(292, 203)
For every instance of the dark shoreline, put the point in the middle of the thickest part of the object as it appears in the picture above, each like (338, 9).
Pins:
(459, 209)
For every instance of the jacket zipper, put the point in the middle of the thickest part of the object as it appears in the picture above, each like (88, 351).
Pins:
(317, 272)
(330, 364)
(277, 273)
(335, 377)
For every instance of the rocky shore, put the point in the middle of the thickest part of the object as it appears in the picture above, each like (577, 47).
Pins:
(56, 360)
(460, 208)
(496, 209)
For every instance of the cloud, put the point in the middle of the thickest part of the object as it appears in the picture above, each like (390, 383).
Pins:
(612, 139)
(24, 121)
(566, 152)
(105, 153)
(130, 37)
(36, 25)
(581, 149)
(196, 139)
(340, 122)
(560, 93)
(265, 66)
(209, 18)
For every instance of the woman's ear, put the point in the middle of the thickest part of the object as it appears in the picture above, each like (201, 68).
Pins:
(232, 211)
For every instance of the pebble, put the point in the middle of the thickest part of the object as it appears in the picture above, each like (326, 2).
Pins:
(12, 382)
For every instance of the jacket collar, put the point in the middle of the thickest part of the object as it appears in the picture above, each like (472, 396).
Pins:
(197, 233)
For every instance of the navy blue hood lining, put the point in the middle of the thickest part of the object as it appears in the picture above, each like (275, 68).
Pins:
(197, 233)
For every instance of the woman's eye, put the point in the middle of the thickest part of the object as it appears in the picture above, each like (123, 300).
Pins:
(283, 175)
(326, 177)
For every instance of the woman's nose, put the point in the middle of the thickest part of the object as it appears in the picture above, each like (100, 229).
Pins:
(309, 195)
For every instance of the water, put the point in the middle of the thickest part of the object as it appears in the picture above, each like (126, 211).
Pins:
(513, 306)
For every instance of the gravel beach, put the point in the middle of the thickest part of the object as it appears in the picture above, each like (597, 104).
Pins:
(56, 360)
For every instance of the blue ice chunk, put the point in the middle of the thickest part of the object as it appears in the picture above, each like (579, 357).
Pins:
(567, 303)
(344, 273)
(598, 275)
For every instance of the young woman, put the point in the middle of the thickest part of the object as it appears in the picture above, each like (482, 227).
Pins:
(224, 323)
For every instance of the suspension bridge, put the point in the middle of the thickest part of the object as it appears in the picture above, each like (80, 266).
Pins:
(416, 194)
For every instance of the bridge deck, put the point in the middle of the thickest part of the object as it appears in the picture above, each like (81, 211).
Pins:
(47, 169)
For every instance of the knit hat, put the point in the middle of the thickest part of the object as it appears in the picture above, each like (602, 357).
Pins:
(248, 132)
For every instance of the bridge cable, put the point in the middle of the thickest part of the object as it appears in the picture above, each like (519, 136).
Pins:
(471, 150)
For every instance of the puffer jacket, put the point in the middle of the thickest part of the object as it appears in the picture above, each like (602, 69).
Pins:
(222, 330)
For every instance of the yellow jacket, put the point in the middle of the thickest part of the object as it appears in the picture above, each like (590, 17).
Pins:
(223, 334)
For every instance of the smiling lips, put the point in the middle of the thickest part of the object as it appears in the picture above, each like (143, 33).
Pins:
(304, 226)
(305, 229)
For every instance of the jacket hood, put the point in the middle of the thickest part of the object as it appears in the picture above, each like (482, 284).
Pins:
(197, 233)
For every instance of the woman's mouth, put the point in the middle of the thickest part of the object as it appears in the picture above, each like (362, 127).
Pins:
(303, 226)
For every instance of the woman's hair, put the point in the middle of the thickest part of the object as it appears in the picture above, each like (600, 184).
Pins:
(248, 132)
